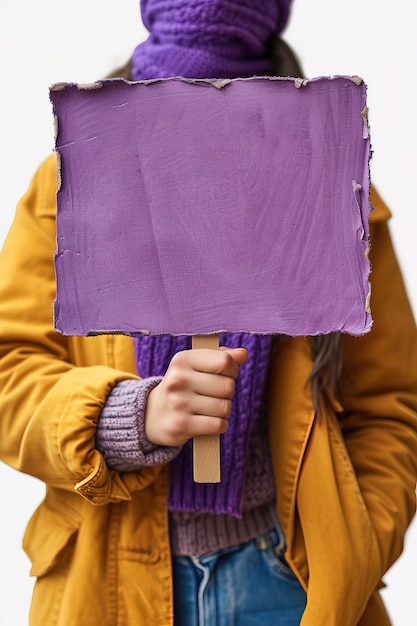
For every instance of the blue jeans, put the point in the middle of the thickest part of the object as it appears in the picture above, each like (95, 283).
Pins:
(247, 585)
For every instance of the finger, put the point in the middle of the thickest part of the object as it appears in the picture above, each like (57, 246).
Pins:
(212, 407)
(213, 385)
(205, 425)
(225, 362)
(239, 355)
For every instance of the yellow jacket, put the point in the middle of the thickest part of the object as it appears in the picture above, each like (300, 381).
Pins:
(99, 542)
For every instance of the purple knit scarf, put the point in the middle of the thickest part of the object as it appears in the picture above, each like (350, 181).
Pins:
(153, 355)
(208, 38)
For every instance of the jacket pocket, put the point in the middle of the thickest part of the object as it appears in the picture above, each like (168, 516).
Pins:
(48, 533)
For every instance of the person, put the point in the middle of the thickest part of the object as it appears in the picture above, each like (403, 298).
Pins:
(319, 434)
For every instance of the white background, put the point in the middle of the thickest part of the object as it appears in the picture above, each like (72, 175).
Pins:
(55, 40)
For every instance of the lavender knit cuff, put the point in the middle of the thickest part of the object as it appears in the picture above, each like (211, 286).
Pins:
(121, 434)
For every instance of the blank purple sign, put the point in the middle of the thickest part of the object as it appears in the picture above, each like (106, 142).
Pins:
(187, 207)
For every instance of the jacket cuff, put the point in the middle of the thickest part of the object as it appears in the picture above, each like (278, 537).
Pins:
(120, 435)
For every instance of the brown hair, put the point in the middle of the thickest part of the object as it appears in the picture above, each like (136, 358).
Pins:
(326, 350)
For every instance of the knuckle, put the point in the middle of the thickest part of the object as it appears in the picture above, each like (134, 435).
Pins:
(179, 425)
(175, 380)
(225, 408)
(221, 426)
(228, 365)
(179, 358)
(178, 403)
(229, 387)
(224, 360)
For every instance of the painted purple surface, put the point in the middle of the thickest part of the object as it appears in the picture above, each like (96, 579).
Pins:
(186, 208)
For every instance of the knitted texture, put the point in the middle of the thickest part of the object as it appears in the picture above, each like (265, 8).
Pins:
(208, 38)
(120, 435)
(194, 534)
(153, 355)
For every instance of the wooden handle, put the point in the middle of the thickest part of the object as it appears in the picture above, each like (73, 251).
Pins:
(206, 448)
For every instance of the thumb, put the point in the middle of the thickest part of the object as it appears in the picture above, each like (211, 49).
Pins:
(239, 355)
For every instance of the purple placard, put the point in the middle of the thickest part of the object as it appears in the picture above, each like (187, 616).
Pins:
(194, 207)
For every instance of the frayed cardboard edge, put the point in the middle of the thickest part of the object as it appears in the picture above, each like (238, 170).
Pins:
(217, 83)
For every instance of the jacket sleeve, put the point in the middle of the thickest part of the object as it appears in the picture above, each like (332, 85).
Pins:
(49, 407)
(380, 398)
